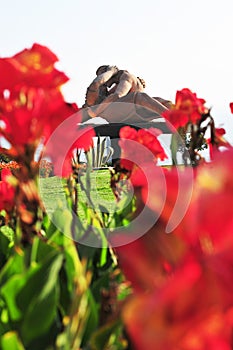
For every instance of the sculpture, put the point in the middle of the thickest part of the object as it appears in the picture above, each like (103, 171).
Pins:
(118, 96)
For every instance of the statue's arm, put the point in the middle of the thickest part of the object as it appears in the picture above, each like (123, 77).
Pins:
(94, 111)
(92, 94)
(122, 89)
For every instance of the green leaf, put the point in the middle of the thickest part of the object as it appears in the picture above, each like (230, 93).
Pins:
(71, 269)
(8, 232)
(9, 292)
(100, 339)
(39, 317)
(104, 214)
(5, 247)
(38, 298)
(99, 284)
(92, 321)
(62, 219)
(46, 222)
(71, 262)
(51, 229)
(103, 256)
(40, 250)
(14, 266)
(11, 341)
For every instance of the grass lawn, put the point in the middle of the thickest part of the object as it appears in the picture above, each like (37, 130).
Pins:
(53, 192)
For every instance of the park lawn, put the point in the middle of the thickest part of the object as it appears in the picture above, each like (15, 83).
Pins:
(52, 192)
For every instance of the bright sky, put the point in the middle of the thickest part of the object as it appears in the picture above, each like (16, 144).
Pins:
(171, 44)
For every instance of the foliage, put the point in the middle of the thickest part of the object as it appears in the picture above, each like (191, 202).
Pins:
(151, 267)
(192, 119)
(54, 292)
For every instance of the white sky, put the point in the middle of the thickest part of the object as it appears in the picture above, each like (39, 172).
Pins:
(171, 44)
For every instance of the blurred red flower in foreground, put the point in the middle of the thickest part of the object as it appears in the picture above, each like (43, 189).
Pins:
(144, 147)
(32, 106)
(32, 114)
(188, 108)
(62, 143)
(182, 282)
(209, 220)
(186, 313)
(216, 141)
(7, 191)
(32, 67)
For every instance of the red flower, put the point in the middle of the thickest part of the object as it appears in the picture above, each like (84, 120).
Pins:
(231, 107)
(31, 67)
(182, 282)
(188, 108)
(64, 140)
(7, 191)
(33, 113)
(10, 76)
(166, 192)
(31, 104)
(209, 219)
(138, 147)
(217, 141)
(185, 313)
(57, 112)
(176, 118)
(32, 108)
(148, 261)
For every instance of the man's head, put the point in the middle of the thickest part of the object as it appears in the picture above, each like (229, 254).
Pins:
(104, 68)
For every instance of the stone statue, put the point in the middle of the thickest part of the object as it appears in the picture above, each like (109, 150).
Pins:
(118, 96)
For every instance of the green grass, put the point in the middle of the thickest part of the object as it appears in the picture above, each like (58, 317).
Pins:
(53, 192)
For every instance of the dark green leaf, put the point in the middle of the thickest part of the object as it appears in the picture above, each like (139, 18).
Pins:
(14, 266)
(37, 300)
(100, 338)
(5, 247)
(9, 292)
(11, 341)
(92, 321)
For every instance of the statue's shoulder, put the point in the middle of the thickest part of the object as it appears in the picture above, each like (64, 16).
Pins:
(124, 74)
